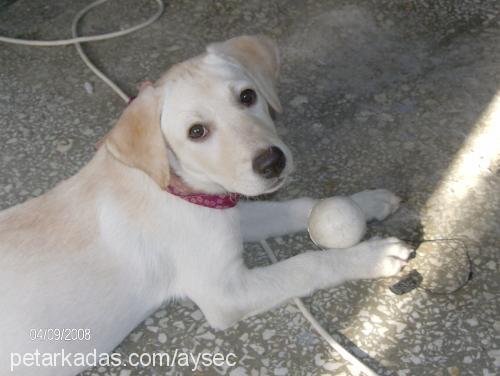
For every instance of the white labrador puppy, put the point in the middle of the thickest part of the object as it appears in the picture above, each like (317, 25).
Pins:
(105, 248)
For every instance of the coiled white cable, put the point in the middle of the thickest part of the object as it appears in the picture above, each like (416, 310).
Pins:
(76, 40)
(90, 38)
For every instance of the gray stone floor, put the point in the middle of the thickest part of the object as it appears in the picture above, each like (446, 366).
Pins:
(377, 93)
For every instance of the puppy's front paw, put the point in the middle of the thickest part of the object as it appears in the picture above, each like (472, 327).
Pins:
(381, 257)
(377, 203)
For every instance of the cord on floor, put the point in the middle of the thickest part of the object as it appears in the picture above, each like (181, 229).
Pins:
(358, 365)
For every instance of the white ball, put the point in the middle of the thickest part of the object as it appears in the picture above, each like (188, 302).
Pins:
(336, 222)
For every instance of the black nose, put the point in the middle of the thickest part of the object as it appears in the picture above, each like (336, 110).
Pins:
(269, 163)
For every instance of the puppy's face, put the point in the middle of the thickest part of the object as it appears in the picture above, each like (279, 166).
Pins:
(215, 118)
(208, 120)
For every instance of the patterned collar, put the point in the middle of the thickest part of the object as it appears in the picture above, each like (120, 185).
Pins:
(222, 201)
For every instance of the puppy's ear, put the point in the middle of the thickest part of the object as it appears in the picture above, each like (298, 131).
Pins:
(137, 140)
(259, 56)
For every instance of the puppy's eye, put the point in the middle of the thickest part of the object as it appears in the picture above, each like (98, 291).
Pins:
(197, 131)
(248, 97)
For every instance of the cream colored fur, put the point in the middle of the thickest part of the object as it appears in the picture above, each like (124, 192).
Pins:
(105, 248)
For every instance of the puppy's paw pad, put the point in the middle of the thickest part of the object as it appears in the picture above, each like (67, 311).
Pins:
(377, 203)
(396, 248)
(390, 266)
(386, 257)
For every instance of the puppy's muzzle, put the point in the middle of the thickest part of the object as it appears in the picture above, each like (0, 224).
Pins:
(269, 163)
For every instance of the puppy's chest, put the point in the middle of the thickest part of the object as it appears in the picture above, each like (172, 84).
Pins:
(205, 227)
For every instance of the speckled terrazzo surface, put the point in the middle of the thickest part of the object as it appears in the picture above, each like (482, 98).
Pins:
(393, 94)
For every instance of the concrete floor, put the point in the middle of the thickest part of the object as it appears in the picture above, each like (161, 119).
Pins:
(377, 93)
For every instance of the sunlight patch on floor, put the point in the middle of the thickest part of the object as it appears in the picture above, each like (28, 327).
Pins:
(478, 158)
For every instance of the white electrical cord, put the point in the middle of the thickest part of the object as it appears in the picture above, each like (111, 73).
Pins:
(76, 40)
(91, 38)
(346, 355)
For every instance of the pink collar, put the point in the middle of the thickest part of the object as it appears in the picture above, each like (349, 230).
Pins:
(224, 201)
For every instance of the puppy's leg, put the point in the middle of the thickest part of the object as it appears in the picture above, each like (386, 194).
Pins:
(243, 292)
(377, 203)
(264, 219)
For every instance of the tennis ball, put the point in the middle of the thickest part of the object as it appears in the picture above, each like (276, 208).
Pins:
(336, 222)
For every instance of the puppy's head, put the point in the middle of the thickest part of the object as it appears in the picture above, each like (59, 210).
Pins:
(216, 128)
